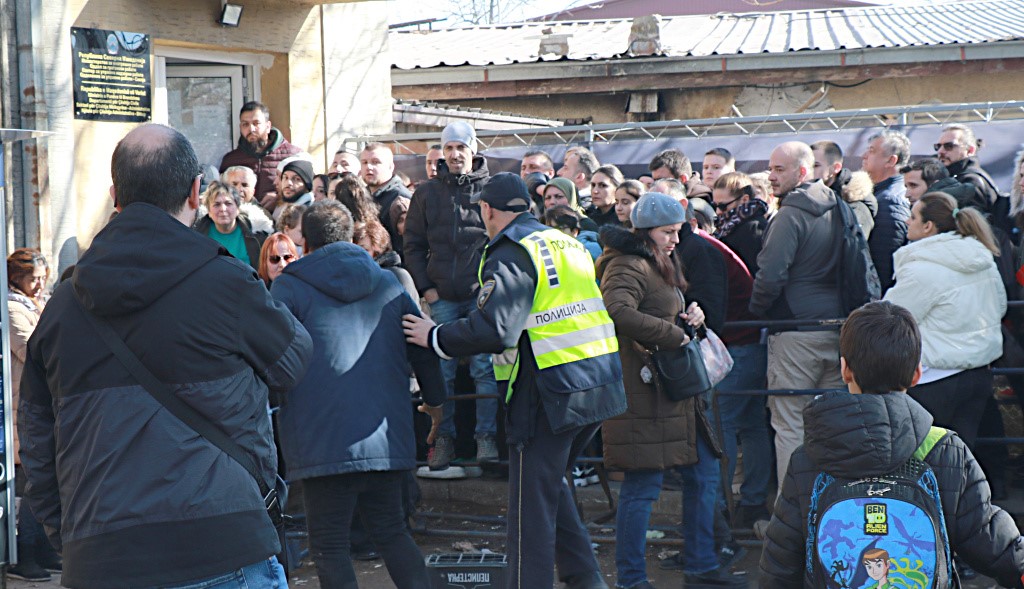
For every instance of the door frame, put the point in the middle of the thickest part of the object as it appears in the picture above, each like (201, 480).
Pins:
(253, 65)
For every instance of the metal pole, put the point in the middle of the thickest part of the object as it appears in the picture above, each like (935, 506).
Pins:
(7, 515)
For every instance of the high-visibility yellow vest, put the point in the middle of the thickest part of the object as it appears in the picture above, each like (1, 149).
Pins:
(568, 322)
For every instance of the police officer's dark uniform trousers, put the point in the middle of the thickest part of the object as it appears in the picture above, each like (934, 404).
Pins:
(561, 373)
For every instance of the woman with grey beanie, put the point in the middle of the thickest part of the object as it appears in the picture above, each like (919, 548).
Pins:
(643, 289)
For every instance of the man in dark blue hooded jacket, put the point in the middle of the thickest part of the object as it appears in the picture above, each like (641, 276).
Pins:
(346, 428)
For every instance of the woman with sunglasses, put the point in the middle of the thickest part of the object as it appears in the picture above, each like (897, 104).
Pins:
(626, 196)
(278, 251)
(742, 217)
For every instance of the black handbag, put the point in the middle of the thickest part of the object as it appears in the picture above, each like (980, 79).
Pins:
(680, 372)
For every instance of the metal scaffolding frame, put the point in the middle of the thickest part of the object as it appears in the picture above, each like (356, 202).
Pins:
(937, 114)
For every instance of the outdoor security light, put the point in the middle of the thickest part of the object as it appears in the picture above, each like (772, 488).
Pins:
(230, 14)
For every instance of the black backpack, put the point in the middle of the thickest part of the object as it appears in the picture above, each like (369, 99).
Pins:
(883, 529)
(856, 277)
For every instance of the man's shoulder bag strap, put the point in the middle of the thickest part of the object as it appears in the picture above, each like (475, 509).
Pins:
(178, 408)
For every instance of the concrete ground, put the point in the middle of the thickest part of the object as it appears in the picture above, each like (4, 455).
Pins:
(470, 503)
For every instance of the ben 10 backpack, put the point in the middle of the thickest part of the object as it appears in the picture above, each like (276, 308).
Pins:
(882, 532)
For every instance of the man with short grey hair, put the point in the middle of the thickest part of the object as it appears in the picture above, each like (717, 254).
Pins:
(243, 179)
(887, 152)
(537, 160)
(796, 280)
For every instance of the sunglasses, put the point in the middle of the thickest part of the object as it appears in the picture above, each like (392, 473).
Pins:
(721, 206)
(275, 259)
(948, 146)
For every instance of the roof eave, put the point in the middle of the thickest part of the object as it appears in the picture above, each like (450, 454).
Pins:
(545, 70)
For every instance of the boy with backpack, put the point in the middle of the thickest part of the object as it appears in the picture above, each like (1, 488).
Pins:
(877, 496)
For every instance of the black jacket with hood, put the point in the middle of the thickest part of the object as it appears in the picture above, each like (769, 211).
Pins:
(385, 196)
(131, 495)
(969, 171)
(854, 436)
(444, 234)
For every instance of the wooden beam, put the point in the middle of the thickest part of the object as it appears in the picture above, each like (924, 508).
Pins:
(631, 82)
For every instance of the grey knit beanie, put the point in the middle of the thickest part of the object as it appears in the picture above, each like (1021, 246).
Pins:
(655, 209)
(460, 131)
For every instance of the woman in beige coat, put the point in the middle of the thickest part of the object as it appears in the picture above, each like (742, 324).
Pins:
(27, 273)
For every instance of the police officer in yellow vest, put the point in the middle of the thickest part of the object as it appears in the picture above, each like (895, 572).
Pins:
(556, 359)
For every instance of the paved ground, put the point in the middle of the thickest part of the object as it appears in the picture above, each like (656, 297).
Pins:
(473, 501)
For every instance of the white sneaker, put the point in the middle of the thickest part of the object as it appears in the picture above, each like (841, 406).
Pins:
(452, 472)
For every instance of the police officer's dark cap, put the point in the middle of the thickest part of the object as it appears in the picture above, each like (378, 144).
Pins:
(505, 192)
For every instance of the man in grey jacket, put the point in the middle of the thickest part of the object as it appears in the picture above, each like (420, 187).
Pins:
(795, 280)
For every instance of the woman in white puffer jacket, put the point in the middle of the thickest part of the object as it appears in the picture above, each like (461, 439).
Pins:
(947, 278)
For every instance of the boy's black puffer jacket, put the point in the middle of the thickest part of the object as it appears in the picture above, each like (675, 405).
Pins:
(853, 436)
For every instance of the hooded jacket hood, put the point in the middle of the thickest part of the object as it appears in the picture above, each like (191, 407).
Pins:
(812, 197)
(112, 280)
(257, 217)
(477, 174)
(620, 241)
(854, 436)
(961, 254)
(274, 140)
(395, 183)
(859, 188)
(342, 271)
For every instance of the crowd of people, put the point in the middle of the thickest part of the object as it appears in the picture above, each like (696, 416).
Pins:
(554, 286)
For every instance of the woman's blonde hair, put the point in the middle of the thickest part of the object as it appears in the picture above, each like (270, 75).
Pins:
(215, 188)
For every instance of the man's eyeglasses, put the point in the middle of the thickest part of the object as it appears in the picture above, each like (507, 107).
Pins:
(948, 146)
(275, 259)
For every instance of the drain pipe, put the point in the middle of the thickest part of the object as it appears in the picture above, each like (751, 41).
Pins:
(32, 115)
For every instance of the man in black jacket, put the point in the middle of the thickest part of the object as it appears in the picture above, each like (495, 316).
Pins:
(132, 495)
(444, 238)
(377, 169)
(957, 149)
(557, 389)
(871, 431)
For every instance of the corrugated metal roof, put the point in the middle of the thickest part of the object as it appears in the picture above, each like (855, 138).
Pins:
(983, 21)
(634, 8)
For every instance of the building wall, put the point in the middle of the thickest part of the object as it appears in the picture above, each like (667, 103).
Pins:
(64, 185)
(699, 103)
